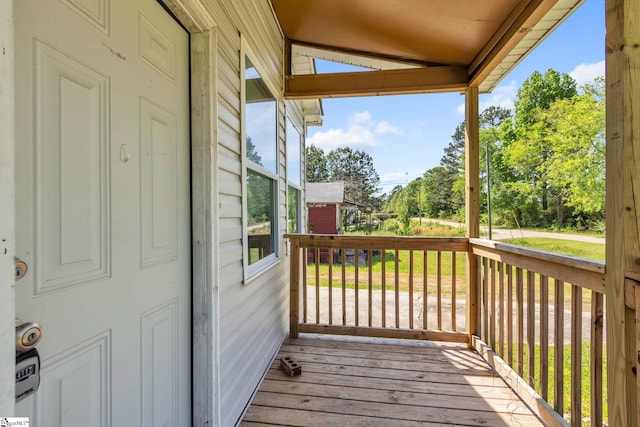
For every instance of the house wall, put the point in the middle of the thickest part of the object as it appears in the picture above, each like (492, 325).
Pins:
(7, 213)
(323, 219)
(253, 319)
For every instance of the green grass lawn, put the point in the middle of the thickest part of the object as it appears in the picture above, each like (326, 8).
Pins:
(585, 369)
(561, 246)
(569, 247)
(404, 269)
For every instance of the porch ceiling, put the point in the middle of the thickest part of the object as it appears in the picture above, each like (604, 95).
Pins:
(442, 45)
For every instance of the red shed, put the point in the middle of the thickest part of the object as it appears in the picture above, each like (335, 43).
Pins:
(325, 201)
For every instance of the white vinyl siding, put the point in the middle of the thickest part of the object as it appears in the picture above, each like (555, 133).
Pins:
(253, 317)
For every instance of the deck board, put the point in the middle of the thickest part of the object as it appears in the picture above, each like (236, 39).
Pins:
(360, 382)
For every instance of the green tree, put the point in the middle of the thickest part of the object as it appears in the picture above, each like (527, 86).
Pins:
(316, 165)
(252, 154)
(493, 116)
(453, 157)
(527, 146)
(577, 136)
(259, 196)
(438, 185)
(355, 168)
(539, 92)
(391, 199)
(449, 201)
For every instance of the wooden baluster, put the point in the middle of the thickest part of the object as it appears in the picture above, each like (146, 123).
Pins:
(344, 286)
(294, 296)
(454, 276)
(317, 254)
(439, 288)
(370, 262)
(492, 304)
(425, 305)
(544, 337)
(305, 279)
(520, 320)
(356, 288)
(485, 299)
(597, 326)
(397, 289)
(330, 255)
(510, 315)
(558, 357)
(383, 261)
(576, 355)
(411, 289)
(531, 328)
(636, 293)
(501, 309)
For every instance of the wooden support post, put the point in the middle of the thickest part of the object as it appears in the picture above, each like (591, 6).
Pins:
(294, 296)
(623, 204)
(472, 203)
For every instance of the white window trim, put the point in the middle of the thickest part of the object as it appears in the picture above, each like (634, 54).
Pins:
(252, 271)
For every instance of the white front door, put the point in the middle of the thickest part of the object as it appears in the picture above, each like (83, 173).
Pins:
(103, 222)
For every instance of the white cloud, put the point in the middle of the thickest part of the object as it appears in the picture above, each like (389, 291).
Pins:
(361, 118)
(361, 132)
(384, 128)
(393, 178)
(502, 96)
(585, 73)
(354, 137)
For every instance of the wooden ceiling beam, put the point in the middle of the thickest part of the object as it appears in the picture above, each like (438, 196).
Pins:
(511, 32)
(364, 54)
(385, 82)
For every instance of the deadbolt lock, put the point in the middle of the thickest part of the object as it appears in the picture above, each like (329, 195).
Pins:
(21, 268)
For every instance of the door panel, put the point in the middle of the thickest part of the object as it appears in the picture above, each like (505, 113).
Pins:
(102, 107)
(71, 198)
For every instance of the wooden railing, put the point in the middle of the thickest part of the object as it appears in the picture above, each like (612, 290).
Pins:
(541, 312)
(394, 287)
(632, 301)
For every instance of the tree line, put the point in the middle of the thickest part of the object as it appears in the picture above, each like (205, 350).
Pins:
(544, 161)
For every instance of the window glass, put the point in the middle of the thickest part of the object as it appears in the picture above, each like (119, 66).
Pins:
(261, 218)
(294, 140)
(293, 217)
(260, 120)
(261, 166)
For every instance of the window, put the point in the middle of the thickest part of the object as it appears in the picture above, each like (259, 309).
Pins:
(260, 154)
(293, 219)
(294, 178)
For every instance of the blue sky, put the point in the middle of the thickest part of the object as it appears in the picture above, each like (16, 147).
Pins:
(406, 134)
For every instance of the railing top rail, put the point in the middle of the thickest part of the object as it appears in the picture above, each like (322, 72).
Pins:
(583, 272)
(458, 244)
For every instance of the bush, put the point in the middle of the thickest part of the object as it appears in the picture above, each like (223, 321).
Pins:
(391, 225)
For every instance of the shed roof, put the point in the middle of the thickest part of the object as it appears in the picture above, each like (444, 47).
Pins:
(325, 192)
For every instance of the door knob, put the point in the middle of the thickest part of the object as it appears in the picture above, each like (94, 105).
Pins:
(21, 268)
(28, 335)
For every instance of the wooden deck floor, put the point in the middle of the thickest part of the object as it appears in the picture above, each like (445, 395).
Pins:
(365, 382)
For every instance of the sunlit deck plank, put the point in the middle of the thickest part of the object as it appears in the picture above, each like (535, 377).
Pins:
(372, 382)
